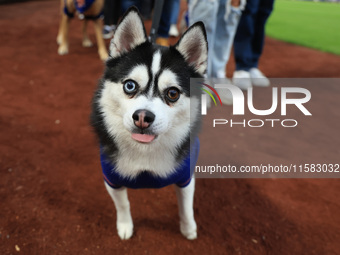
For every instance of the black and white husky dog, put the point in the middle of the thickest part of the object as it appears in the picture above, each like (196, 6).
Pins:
(141, 114)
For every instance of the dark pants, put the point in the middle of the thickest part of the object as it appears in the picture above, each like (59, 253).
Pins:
(164, 25)
(249, 39)
(111, 12)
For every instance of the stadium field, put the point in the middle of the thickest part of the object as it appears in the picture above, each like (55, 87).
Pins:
(306, 23)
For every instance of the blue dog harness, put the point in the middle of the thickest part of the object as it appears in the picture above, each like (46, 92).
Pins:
(82, 9)
(181, 177)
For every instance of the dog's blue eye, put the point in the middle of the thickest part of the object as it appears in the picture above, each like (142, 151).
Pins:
(130, 87)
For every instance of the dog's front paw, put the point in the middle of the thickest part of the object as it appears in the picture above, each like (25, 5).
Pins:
(87, 43)
(189, 230)
(63, 50)
(125, 230)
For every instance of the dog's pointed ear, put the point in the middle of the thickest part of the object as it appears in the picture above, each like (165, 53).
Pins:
(129, 33)
(193, 46)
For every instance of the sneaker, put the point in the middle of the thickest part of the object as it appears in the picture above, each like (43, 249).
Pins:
(242, 79)
(107, 32)
(258, 78)
(173, 30)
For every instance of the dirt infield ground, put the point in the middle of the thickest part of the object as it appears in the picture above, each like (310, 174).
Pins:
(51, 190)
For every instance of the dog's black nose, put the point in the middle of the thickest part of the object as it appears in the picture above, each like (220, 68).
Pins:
(143, 118)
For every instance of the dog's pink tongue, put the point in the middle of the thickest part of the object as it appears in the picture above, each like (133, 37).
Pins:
(143, 138)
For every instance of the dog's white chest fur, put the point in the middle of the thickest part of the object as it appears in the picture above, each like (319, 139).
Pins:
(160, 162)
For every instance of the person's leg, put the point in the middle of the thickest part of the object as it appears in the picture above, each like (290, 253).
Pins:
(174, 17)
(264, 11)
(243, 49)
(175, 11)
(109, 14)
(116, 12)
(164, 24)
(228, 17)
(108, 6)
(205, 11)
(126, 4)
(146, 8)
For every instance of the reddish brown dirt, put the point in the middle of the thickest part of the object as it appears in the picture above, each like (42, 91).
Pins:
(51, 190)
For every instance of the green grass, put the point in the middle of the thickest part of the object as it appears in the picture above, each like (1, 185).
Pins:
(310, 24)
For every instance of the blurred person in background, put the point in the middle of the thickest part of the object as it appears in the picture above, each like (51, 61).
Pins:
(249, 42)
(146, 9)
(174, 17)
(221, 18)
(111, 16)
(164, 25)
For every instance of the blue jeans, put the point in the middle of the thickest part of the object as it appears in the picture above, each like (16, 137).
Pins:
(220, 20)
(164, 25)
(174, 11)
(249, 39)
